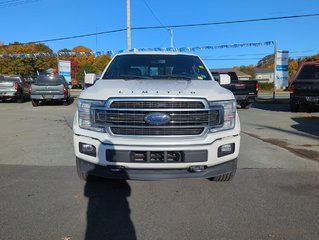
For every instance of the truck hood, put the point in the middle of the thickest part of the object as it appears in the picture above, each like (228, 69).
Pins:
(104, 89)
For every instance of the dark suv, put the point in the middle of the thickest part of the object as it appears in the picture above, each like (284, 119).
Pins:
(13, 87)
(304, 89)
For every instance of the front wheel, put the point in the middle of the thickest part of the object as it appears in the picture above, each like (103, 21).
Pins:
(20, 99)
(67, 101)
(227, 176)
(83, 176)
(246, 105)
(294, 107)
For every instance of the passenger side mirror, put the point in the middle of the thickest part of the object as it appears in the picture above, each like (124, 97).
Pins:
(90, 78)
(224, 79)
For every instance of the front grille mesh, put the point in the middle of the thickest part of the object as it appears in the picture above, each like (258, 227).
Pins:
(157, 104)
(156, 131)
(128, 118)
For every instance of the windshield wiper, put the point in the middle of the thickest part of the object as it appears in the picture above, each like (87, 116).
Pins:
(174, 76)
(128, 77)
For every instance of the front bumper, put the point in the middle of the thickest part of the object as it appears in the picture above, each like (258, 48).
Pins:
(103, 159)
(155, 174)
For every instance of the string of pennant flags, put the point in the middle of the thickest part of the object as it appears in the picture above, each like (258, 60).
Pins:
(113, 52)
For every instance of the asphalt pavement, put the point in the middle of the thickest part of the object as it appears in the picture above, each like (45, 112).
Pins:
(274, 195)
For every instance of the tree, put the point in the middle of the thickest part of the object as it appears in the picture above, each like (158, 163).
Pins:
(312, 58)
(250, 70)
(76, 61)
(267, 61)
(86, 67)
(84, 58)
(100, 62)
(27, 65)
(292, 66)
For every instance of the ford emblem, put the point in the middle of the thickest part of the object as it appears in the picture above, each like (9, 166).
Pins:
(157, 118)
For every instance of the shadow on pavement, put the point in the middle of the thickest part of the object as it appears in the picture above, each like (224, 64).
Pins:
(282, 106)
(108, 212)
(279, 106)
(308, 125)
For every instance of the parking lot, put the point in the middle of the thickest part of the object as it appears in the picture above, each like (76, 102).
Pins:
(274, 195)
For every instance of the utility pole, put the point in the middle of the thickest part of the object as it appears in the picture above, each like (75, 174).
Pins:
(96, 40)
(128, 23)
(275, 72)
(171, 34)
(58, 60)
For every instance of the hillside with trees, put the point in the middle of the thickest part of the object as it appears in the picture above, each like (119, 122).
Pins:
(268, 62)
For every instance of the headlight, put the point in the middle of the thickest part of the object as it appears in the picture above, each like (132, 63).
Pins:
(86, 115)
(229, 114)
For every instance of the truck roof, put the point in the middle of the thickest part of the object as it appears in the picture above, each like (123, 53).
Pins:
(156, 53)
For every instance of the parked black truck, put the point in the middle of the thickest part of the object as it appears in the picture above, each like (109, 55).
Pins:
(304, 88)
(245, 92)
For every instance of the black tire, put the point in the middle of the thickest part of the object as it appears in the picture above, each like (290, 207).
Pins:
(246, 105)
(294, 107)
(20, 99)
(35, 103)
(83, 176)
(67, 101)
(227, 176)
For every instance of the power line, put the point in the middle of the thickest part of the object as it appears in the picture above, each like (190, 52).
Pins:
(81, 36)
(228, 22)
(12, 3)
(160, 22)
(152, 12)
(180, 26)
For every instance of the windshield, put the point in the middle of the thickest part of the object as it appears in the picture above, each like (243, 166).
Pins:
(56, 79)
(157, 67)
(309, 72)
(9, 79)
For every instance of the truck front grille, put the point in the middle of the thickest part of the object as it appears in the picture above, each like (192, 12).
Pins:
(186, 117)
(157, 104)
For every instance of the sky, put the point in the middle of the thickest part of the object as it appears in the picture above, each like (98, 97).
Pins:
(37, 20)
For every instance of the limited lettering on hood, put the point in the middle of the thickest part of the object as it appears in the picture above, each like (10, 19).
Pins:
(155, 92)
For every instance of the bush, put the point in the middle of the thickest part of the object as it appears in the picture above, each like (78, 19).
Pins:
(265, 86)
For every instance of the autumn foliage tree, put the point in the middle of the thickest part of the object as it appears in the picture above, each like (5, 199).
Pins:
(100, 62)
(28, 65)
(267, 61)
(250, 70)
(77, 61)
(85, 68)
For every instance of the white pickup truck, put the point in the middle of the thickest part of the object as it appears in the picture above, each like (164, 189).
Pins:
(157, 115)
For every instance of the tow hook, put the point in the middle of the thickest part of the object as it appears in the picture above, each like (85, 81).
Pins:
(116, 168)
(196, 168)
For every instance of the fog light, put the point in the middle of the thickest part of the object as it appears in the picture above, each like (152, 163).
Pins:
(226, 149)
(87, 149)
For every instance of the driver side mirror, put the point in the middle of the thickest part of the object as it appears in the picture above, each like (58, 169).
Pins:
(224, 79)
